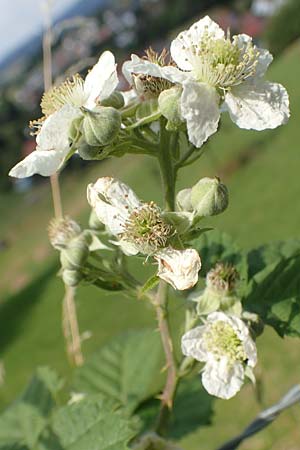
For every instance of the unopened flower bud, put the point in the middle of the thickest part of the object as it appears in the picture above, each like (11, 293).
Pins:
(169, 105)
(76, 254)
(183, 200)
(209, 197)
(75, 129)
(88, 152)
(71, 277)
(62, 231)
(116, 100)
(101, 125)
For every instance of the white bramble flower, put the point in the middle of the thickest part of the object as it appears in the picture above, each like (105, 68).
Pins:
(141, 228)
(60, 106)
(225, 345)
(219, 73)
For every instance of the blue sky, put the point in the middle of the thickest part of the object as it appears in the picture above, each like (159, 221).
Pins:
(22, 19)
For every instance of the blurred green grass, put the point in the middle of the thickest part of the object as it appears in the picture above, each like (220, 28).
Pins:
(262, 173)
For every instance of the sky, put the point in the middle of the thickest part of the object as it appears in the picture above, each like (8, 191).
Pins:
(22, 19)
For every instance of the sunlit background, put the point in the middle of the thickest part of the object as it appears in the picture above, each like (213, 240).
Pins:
(260, 169)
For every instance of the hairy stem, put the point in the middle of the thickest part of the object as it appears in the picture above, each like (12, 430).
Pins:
(166, 164)
(168, 393)
(161, 301)
(70, 322)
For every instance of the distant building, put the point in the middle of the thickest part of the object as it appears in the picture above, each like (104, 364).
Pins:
(266, 8)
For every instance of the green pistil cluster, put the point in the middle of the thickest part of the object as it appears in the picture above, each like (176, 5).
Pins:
(222, 278)
(147, 229)
(222, 340)
(223, 62)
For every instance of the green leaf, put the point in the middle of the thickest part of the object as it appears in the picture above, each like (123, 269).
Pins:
(127, 369)
(42, 389)
(193, 408)
(274, 294)
(261, 257)
(20, 426)
(92, 424)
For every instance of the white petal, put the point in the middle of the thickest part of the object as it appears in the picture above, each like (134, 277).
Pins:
(264, 60)
(142, 66)
(43, 162)
(222, 379)
(54, 133)
(200, 108)
(102, 80)
(181, 45)
(52, 145)
(128, 248)
(179, 267)
(192, 344)
(258, 106)
(113, 201)
(264, 56)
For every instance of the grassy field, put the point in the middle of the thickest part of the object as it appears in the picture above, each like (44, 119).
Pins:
(262, 173)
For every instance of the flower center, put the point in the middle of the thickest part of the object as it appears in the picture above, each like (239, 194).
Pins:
(147, 85)
(223, 277)
(147, 229)
(70, 92)
(223, 62)
(222, 340)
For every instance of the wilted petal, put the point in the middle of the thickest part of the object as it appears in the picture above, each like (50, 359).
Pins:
(43, 162)
(178, 267)
(181, 46)
(113, 201)
(258, 106)
(102, 80)
(138, 65)
(222, 378)
(200, 108)
(192, 344)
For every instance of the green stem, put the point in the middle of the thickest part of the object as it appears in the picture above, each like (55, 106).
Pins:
(167, 169)
(160, 302)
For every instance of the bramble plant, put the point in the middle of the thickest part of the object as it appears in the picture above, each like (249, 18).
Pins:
(173, 107)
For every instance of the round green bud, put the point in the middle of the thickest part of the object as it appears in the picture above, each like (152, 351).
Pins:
(71, 277)
(76, 254)
(183, 200)
(88, 152)
(169, 106)
(209, 197)
(116, 100)
(100, 126)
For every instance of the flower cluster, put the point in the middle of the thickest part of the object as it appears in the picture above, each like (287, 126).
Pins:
(207, 73)
(173, 106)
(141, 228)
